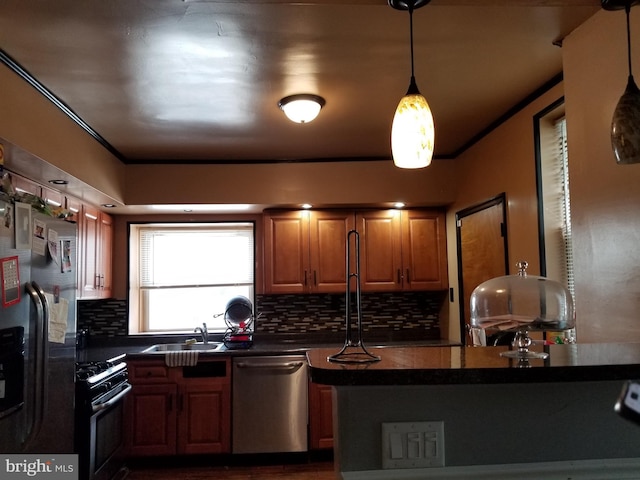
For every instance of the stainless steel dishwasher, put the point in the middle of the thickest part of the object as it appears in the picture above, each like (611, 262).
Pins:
(270, 404)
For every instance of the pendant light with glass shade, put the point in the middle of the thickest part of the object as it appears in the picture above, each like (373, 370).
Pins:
(625, 125)
(412, 131)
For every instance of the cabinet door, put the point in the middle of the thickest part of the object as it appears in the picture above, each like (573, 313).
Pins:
(105, 241)
(96, 242)
(152, 417)
(320, 416)
(286, 252)
(424, 251)
(328, 232)
(90, 248)
(24, 185)
(74, 206)
(52, 198)
(204, 422)
(380, 250)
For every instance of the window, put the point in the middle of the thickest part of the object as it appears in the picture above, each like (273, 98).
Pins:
(183, 274)
(556, 249)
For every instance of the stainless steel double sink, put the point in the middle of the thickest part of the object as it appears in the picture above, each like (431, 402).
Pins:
(178, 347)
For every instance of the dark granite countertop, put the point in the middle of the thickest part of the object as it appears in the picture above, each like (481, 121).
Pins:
(101, 349)
(437, 365)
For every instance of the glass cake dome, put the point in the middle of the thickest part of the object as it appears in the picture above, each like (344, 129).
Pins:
(521, 303)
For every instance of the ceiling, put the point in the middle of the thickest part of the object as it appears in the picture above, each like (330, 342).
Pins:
(198, 81)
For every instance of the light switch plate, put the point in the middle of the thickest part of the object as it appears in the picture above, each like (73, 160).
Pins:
(412, 445)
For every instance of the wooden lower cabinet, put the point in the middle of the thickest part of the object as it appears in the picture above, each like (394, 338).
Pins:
(320, 417)
(204, 422)
(170, 412)
(152, 420)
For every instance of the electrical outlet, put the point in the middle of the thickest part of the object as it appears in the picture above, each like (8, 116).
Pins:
(413, 445)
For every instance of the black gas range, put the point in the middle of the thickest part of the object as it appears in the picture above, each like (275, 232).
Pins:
(100, 391)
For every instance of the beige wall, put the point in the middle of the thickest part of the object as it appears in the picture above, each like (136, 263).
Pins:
(339, 183)
(32, 123)
(605, 197)
(503, 161)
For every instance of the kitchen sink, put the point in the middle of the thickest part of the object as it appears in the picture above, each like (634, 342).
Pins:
(176, 347)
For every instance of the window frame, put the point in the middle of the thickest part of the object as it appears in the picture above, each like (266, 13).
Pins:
(138, 324)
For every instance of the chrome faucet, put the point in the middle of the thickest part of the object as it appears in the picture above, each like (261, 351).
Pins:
(204, 332)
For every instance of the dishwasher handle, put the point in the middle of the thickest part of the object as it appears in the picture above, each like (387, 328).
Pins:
(286, 366)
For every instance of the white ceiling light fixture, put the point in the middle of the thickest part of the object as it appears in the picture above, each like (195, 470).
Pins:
(301, 108)
(412, 131)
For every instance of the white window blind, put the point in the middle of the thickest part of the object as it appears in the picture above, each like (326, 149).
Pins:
(196, 257)
(564, 203)
(182, 275)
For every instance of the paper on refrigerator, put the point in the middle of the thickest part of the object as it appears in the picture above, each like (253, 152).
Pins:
(58, 314)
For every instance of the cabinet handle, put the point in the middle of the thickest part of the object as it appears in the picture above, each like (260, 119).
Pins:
(408, 276)
(101, 280)
(399, 276)
(315, 279)
(96, 281)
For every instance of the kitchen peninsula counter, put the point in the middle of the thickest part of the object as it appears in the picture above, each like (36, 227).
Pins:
(438, 365)
(543, 419)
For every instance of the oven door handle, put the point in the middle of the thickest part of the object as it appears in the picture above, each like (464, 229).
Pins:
(112, 401)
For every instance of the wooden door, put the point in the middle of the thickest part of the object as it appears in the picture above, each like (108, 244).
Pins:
(424, 250)
(380, 250)
(482, 251)
(286, 252)
(328, 232)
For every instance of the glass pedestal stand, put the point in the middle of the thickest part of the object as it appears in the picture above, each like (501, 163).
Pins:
(522, 342)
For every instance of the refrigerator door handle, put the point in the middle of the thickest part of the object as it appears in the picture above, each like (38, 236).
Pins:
(36, 294)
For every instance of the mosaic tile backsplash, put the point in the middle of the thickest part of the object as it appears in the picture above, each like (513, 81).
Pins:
(385, 314)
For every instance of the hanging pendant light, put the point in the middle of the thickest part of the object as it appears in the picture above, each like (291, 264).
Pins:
(412, 131)
(625, 126)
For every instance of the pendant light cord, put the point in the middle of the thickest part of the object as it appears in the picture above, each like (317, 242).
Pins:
(627, 9)
(410, 6)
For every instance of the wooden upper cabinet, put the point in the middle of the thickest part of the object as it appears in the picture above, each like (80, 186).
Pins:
(305, 251)
(74, 206)
(53, 198)
(286, 252)
(96, 239)
(106, 254)
(380, 250)
(24, 185)
(403, 250)
(328, 231)
(424, 250)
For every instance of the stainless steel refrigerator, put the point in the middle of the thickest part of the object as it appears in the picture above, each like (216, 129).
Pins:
(37, 331)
